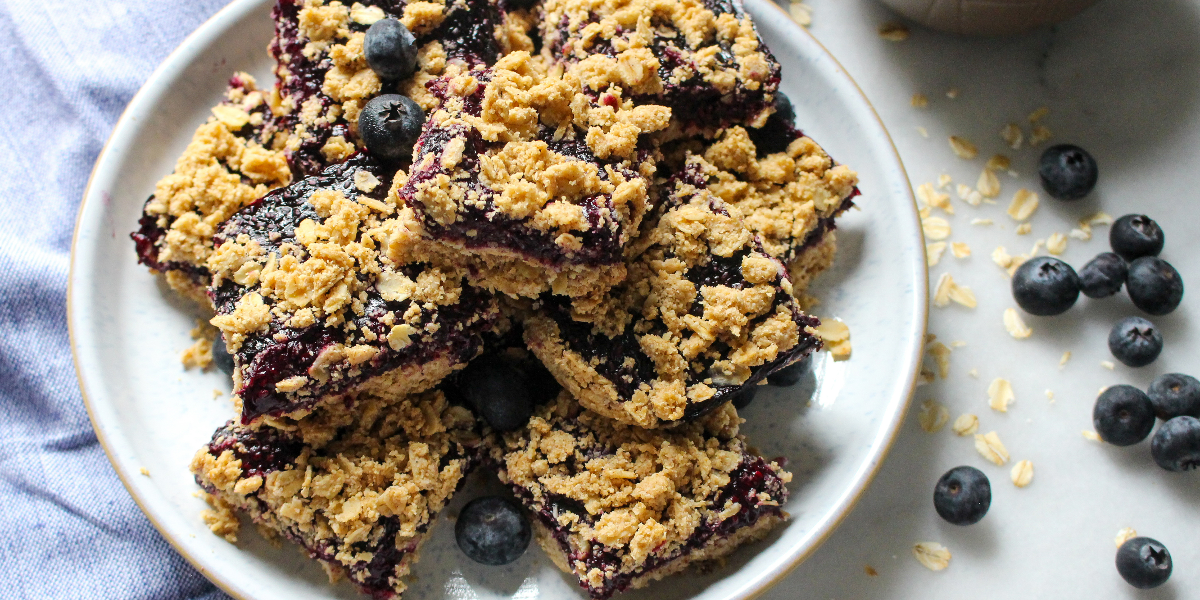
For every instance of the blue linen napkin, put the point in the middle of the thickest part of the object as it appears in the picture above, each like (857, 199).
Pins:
(68, 528)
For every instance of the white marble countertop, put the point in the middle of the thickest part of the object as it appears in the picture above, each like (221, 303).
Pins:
(1123, 81)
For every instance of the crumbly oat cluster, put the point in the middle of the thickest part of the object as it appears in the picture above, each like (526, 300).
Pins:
(619, 506)
(358, 495)
(313, 308)
(703, 59)
(703, 314)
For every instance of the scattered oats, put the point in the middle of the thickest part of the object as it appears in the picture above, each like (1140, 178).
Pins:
(998, 162)
(957, 344)
(1056, 244)
(1107, 364)
(973, 373)
(1098, 218)
(933, 252)
(960, 249)
(1000, 394)
(930, 338)
(801, 13)
(947, 290)
(1038, 114)
(935, 228)
(1022, 473)
(1050, 395)
(919, 100)
(926, 376)
(1001, 257)
(924, 132)
(963, 148)
(932, 416)
(893, 32)
(989, 446)
(1088, 434)
(1024, 228)
(1080, 234)
(836, 337)
(924, 212)
(1124, 535)
(1017, 261)
(981, 221)
(952, 93)
(932, 555)
(1038, 134)
(217, 393)
(1011, 134)
(1015, 325)
(965, 425)
(988, 184)
(144, 471)
(1062, 362)
(1023, 204)
(1037, 247)
(974, 198)
(1013, 174)
(941, 357)
(870, 571)
(931, 197)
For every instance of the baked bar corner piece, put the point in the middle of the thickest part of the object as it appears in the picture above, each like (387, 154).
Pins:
(704, 314)
(619, 506)
(313, 309)
(514, 181)
(228, 164)
(359, 494)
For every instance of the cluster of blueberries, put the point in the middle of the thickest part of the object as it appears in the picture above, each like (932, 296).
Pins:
(390, 124)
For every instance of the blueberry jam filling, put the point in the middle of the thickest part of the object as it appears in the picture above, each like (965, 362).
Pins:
(262, 451)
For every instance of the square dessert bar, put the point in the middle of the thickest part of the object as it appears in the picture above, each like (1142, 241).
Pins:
(358, 494)
(788, 199)
(314, 310)
(528, 189)
(704, 314)
(619, 506)
(701, 58)
(228, 164)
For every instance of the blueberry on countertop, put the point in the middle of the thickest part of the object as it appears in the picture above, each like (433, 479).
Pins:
(1068, 172)
(390, 49)
(1134, 236)
(779, 130)
(1103, 276)
(791, 374)
(1045, 286)
(390, 125)
(1135, 341)
(1176, 444)
(1175, 395)
(963, 495)
(1144, 563)
(221, 356)
(492, 530)
(743, 397)
(1123, 415)
(1154, 285)
(498, 391)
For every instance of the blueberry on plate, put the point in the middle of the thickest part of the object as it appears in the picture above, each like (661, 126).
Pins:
(743, 397)
(498, 391)
(791, 374)
(221, 356)
(1123, 415)
(389, 126)
(492, 530)
(1045, 286)
(1154, 285)
(1175, 395)
(391, 49)
(963, 495)
(1103, 276)
(1135, 236)
(1176, 444)
(1068, 172)
(779, 130)
(1135, 341)
(1144, 563)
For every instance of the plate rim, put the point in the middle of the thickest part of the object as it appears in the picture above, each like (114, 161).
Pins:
(192, 43)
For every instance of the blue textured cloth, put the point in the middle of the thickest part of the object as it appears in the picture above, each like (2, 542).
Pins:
(68, 528)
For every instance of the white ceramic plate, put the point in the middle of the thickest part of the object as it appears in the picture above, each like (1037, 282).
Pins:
(127, 332)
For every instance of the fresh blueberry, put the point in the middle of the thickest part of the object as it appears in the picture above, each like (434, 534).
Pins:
(791, 374)
(1068, 172)
(1045, 286)
(1144, 563)
(390, 124)
(1154, 285)
(1134, 236)
(498, 391)
(492, 530)
(1135, 341)
(1175, 395)
(779, 130)
(963, 495)
(743, 397)
(391, 49)
(1176, 444)
(221, 356)
(1103, 276)
(1123, 415)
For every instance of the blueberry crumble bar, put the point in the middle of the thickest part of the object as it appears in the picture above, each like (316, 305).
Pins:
(704, 314)
(314, 310)
(619, 506)
(360, 495)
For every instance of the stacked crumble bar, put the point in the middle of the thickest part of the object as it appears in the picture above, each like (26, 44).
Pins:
(587, 185)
